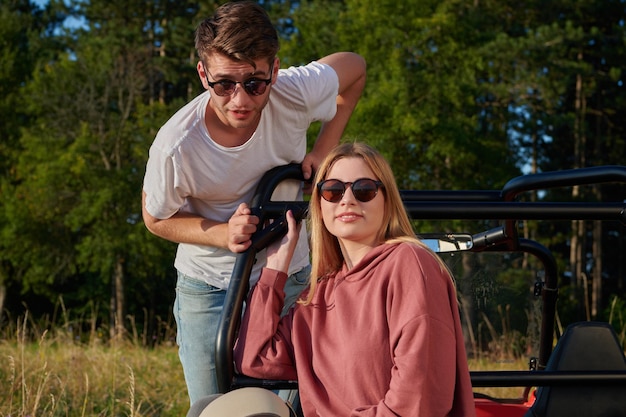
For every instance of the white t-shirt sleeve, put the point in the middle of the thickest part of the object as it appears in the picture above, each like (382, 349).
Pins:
(162, 185)
(316, 82)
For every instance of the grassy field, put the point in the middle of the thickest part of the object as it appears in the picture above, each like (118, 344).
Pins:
(55, 373)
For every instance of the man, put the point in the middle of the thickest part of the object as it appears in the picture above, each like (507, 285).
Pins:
(205, 163)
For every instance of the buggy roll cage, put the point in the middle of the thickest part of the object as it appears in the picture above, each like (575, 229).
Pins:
(441, 204)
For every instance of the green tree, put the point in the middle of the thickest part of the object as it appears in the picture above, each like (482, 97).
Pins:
(424, 103)
(24, 42)
(569, 64)
(96, 110)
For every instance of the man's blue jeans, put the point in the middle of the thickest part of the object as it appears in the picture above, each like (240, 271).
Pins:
(197, 310)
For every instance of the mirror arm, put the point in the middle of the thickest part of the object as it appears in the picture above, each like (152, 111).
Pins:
(489, 238)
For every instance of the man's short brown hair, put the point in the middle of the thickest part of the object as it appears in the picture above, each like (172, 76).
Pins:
(241, 30)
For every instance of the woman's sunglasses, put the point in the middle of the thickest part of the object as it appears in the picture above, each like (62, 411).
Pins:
(363, 189)
(252, 86)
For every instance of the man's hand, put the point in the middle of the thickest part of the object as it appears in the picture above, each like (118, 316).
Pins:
(309, 165)
(241, 226)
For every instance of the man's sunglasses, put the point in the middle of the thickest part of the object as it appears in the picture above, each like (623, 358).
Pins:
(363, 189)
(252, 86)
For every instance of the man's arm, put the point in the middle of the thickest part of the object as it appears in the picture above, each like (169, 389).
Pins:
(189, 228)
(351, 71)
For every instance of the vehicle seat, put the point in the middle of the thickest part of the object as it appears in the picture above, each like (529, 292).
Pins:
(585, 346)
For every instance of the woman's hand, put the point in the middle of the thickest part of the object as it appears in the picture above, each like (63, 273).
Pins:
(279, 253)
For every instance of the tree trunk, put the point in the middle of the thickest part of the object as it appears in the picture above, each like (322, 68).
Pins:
(117, 303)
(119, 298)
(3, 295)
(596, 294)
(575, 252)
(466, 300)
(578, 226)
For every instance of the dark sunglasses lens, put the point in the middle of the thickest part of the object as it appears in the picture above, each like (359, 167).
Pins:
(224, 88)
(332, 190)
(254, 87)
(364, 190)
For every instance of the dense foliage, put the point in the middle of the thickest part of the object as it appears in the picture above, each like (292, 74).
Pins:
(460, 95)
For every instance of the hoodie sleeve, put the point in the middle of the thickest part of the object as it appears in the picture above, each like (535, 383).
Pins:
(264, 348)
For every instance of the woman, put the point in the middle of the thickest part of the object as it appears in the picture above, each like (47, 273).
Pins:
(378, 332)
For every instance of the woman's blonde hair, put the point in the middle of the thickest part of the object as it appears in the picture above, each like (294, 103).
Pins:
(325, 250)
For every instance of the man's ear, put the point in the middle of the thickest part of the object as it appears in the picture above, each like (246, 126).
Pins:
(202, 74)
(275, 69)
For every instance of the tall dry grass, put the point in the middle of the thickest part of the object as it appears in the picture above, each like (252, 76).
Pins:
(53, 374)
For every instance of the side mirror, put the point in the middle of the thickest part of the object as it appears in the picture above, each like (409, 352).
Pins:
(447, 242)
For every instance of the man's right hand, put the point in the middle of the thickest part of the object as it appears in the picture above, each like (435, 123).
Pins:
(241, 226)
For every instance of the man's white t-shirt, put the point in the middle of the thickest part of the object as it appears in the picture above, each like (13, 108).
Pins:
(188, 172)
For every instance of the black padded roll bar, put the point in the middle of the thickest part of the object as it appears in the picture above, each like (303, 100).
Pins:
(239, 281)
(564, 178)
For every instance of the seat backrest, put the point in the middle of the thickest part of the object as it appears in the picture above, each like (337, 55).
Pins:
(585, 346)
